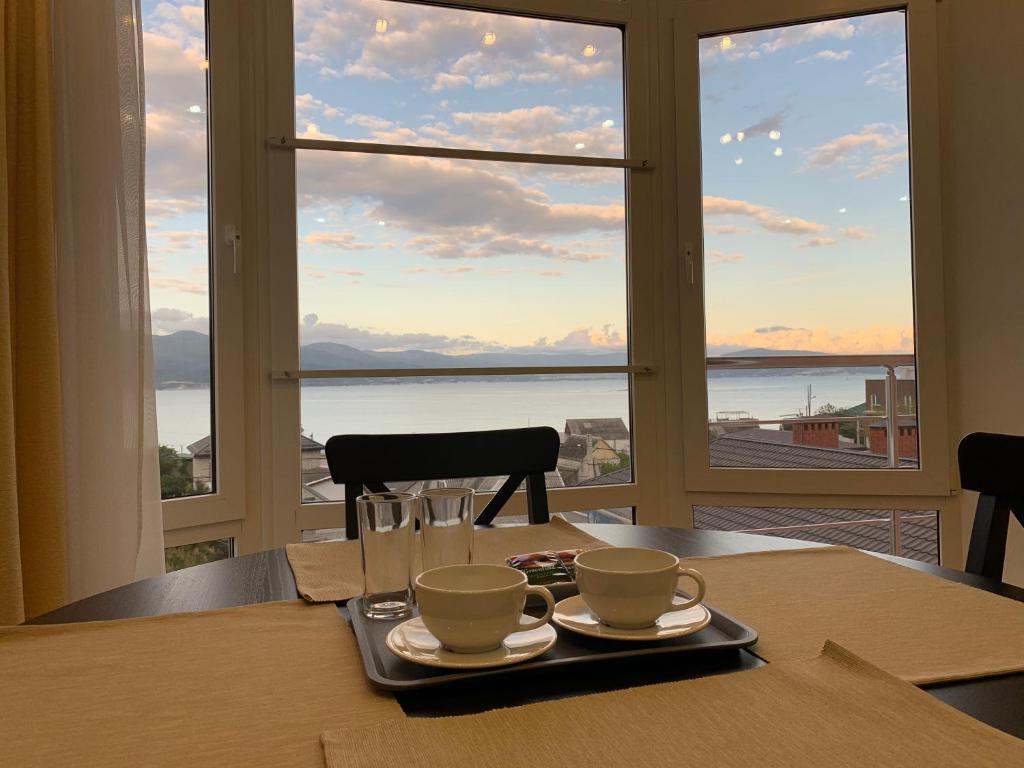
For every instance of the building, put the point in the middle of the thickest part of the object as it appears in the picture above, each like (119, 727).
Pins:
(906, 440)
(314, 463)
(906, 395)
(614, 432)
(582, 457)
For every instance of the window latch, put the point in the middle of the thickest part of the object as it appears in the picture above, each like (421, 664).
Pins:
(233, 238)
(688, 255)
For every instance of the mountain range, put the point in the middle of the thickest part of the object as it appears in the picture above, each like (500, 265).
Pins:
(182, 360)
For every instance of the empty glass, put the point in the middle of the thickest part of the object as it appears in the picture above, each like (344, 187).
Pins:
(446, 523)
(386, 527)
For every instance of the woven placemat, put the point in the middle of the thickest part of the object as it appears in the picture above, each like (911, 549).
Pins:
(833, 710)
(919, 627)
(251, 686)
(330, 571)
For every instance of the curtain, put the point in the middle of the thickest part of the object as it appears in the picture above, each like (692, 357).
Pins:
(33, 575)
(111, 465)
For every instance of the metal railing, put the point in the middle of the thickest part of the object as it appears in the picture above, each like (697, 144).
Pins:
(889, 362)
(895, 520)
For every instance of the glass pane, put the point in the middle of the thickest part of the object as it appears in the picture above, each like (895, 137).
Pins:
(403, 73)
(814, 418)
(913, 534)
(177, 214)
(807, 232)
(187, 555)
(591, 412)
(409, 262)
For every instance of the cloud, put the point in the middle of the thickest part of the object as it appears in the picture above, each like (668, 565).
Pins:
(827, 55)
(441, 47)
(169, 207)
(817, 242)
(870, 152)
(718, 257)
(457, 209)
(345, 241)
(777, 329)
(437, 270)
(856, 233)
(551, 273)
(765, 217)
(798, 34)
(165, 320)
(314, 273)
(178, 240)
(890, 75)
(847, 341)
(176, 284)
(726, 229)
(772, 122)
(348, 272)
(882, 164)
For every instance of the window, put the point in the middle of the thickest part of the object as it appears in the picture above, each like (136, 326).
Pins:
(177, 219)
(187, 555)
(808, 246)
(488, 237)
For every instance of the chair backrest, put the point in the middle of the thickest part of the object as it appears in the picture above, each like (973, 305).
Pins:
(992, 465)
(369, 461)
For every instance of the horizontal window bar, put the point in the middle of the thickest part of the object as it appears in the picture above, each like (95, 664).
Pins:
(389, 373)
(812, 361)
(289, 142)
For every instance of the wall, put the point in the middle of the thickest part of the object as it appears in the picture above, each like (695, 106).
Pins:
(983, 185)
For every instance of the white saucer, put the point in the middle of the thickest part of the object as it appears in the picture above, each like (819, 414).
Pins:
(574, 615)
(411, 641)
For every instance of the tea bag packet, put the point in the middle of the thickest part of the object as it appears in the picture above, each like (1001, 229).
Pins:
(549, 567)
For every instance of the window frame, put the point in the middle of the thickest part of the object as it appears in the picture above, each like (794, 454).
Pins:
(647, 394)
(191, 519)
(693, 21)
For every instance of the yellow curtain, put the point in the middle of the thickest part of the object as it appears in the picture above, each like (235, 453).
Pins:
(33, 557)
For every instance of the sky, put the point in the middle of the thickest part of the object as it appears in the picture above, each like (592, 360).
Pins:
(807, 237)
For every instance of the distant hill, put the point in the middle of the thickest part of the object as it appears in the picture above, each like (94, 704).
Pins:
(182, 359)
(764, 352)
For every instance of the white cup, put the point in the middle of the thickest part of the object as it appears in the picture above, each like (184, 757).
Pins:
(631, 587)
(472, 608)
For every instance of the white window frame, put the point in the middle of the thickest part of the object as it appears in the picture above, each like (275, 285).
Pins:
(281, 465)
(222, 512)
(925, 489)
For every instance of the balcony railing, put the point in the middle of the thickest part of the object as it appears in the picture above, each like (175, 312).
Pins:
(890, 362)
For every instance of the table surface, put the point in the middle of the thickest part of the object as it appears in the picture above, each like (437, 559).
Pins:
(266, 576)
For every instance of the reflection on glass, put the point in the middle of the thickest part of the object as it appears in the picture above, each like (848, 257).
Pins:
(404, 73)
(592, 413)
(807, 239)
(174, 43)
(913, 534)
(187, 555)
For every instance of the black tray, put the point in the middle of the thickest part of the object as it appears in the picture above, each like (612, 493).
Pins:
(387, 671)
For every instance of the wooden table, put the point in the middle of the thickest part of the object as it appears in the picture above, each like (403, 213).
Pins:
(266, 576)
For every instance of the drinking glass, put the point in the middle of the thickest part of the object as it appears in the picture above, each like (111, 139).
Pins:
(446, 525)
(387, 522)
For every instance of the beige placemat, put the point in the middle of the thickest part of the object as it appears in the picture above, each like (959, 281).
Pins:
(332, 570)
(833, 710)
(916, 626)
(250, 686)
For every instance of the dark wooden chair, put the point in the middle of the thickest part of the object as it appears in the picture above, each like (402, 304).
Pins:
(992, 465)
(368, 461)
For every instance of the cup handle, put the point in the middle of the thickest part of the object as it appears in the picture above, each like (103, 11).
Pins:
(701, 587)
(546, 595)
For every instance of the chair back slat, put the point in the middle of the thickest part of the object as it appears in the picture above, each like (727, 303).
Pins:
(992, 465)
(368, 461)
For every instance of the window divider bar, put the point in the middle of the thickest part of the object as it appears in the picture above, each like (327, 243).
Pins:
(391, 373)
(290, 142)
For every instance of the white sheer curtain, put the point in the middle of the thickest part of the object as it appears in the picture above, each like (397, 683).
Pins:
(115, 532)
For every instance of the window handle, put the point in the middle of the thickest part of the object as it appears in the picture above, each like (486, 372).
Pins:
(688, 255)
(233, 238)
